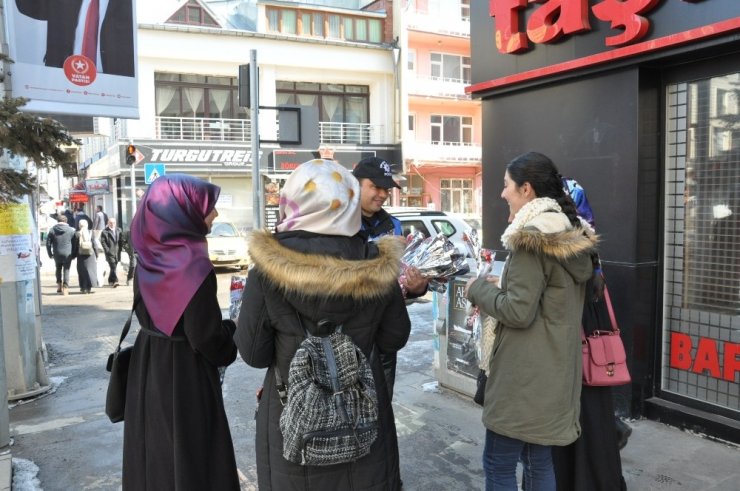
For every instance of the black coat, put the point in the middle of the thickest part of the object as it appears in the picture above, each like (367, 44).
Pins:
(176, 435)
(330, 277)
(112, 244)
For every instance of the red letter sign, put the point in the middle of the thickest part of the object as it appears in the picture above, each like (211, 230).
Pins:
(680, 351)
(732, 363)
(624, 13)
(707, 358)
(554, 19)
(508, 37)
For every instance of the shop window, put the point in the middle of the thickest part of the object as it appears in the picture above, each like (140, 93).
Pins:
(702, 238)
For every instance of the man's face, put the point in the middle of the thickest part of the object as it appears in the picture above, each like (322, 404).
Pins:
(112, 224)
(372, 197)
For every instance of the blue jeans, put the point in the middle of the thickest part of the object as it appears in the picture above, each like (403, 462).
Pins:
(500, 457)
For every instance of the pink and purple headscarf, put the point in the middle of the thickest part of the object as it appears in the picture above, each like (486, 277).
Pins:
(169, 235)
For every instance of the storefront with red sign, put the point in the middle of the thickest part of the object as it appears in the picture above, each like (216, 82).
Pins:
(639, 101)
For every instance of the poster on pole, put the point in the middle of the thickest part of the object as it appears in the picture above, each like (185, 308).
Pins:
(17, 255)
(74, 56)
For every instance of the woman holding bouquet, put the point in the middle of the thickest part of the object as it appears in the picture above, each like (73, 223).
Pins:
(533, 389)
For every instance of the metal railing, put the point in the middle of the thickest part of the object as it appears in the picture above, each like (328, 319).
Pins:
(426, 85)
(442, 151)
(438, 23)
(350, 133)
(176, 128)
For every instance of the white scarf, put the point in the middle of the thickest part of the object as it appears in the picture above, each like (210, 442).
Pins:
(526, 214)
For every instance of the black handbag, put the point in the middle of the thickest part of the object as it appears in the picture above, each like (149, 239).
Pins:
(118, 362)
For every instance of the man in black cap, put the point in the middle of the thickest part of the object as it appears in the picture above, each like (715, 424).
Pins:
(376, 181)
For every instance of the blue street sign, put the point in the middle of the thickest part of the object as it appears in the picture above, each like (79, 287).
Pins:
(152, 172)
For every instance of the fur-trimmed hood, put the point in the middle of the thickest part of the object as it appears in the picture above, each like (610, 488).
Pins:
(309, 274)
(540, 227)
(552, 235)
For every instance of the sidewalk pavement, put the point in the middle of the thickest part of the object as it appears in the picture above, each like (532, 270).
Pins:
(67, 435)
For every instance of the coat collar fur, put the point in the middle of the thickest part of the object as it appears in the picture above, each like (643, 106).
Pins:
(309, 274)
(541, 227)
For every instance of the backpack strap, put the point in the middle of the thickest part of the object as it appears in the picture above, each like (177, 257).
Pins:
(334, 377)
(282, 386)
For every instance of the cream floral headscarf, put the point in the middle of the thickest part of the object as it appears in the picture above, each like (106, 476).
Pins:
(320, 196)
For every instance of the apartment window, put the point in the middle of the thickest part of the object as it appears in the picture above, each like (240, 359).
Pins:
(335, 27)
(192, 13)
(412, 122)
(338, 103)
(456, 195)
(411, 60)
(451, 129)
(465, 9)
(450, 67)
(197, 96)
(307, 23)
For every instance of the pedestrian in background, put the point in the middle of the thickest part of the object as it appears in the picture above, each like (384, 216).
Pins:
(316, 267)
(59, 248)
(376, 183)
(80, 216)
(592, 462)
(176, 435)
(111, 241)
(101, 219)
(128, 248)
(84, 251)
(534, 378)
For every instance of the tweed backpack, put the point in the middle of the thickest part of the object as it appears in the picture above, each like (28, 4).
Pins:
(330, 413)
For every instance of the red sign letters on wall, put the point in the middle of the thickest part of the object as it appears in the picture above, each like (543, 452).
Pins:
(554, 18)
(706, 357)
(550, 20)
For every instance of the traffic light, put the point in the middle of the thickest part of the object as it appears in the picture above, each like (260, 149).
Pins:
(131, 155)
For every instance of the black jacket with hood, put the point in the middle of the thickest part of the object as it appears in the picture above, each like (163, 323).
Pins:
(344, 280)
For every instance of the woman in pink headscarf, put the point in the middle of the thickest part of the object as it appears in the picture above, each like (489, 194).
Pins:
(176, 435)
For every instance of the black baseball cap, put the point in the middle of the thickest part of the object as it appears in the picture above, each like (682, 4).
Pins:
(377, 170)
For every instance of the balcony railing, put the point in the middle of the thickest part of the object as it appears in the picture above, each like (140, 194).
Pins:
(441, 151)
(438, 22)
(174, 128)
(426, 85)
(351, 133)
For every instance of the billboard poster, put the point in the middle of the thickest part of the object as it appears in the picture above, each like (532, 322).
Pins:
(462, 352)
(74, 56)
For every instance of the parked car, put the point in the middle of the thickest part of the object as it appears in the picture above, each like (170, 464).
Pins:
(431, 223)
(227, 246)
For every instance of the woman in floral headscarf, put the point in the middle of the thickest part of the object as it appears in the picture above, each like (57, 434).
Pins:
(175, 434)
(317, 267)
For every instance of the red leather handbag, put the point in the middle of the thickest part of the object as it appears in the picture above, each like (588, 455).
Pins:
(604, 358)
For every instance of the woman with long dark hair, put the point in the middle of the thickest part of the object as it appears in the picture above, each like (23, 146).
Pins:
(534, 383)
